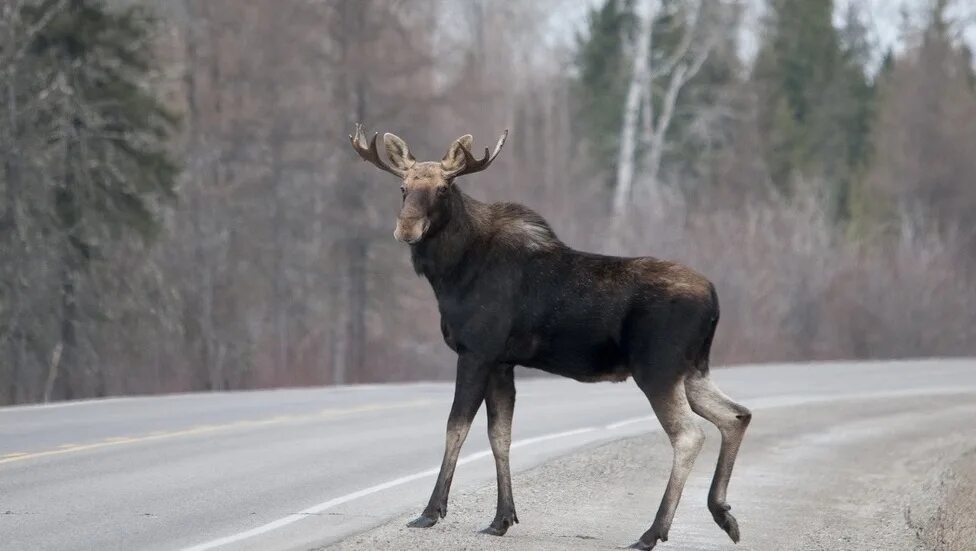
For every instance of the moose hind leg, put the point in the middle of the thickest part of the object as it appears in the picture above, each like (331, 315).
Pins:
(731, 419)
(671, 406)
(500, 402)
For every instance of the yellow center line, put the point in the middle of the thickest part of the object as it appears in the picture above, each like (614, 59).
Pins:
(205, 429)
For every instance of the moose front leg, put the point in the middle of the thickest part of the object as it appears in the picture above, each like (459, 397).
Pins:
(469, 392)
(500, 402)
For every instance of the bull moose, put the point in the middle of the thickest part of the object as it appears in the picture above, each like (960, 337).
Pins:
(511, 293)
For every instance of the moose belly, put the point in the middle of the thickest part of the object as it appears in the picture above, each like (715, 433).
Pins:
(583, 359)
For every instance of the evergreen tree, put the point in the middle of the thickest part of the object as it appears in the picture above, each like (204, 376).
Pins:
(924, 139)
(107, 135)
(812, 77)
(851, 111)
(603, 70)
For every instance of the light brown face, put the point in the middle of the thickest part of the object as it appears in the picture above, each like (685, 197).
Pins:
(423, 187)
(426, 187)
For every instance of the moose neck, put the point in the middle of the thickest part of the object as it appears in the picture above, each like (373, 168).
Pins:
(440, 256)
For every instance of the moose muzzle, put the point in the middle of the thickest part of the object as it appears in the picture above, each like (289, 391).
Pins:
(411, 230)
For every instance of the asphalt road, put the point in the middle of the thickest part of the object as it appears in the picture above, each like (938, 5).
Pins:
(832, 453)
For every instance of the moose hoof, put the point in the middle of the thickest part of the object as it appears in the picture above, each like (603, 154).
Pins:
(500, 525)
(494, 530)
(728, 523)
(725, 520)
(649, 540)
(422, 522)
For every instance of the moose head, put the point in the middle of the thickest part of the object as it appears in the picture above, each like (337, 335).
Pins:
(427, 186)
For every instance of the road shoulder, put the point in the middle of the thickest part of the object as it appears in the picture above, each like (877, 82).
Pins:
(821, 476)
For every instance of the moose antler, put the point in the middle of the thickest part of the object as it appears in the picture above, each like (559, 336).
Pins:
(472, 165)
(369, 152)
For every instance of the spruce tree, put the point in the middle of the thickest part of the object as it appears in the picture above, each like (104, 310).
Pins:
(602, 73)
(107, 143)
(923, 138)
(812, 76)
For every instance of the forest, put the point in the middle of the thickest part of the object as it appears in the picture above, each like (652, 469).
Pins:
(180, 209)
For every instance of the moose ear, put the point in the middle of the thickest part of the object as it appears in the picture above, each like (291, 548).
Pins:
(454, 158)
(398, 151)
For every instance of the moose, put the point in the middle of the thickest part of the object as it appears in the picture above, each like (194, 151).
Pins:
(511, 293)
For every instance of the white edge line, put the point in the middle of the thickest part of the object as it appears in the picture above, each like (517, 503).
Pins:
(631, 421)
(326, 505)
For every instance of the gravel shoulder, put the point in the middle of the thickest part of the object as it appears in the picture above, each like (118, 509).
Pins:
(943, 510)
(874, 474)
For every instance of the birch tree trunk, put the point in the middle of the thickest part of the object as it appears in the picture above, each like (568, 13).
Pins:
(640, 79)
(679, 68)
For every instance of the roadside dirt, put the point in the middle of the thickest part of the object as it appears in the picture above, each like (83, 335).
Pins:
(943, 511)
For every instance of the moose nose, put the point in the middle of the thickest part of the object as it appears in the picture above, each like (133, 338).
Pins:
(411, 231)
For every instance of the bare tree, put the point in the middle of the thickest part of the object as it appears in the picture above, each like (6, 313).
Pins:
(639, 86)
(676, 69)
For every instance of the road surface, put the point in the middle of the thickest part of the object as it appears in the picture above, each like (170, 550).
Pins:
(831, 461)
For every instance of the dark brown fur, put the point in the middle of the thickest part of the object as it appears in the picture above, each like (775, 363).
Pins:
(511, 293)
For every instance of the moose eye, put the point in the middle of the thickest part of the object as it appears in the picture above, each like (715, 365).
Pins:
(441, 190)
(403, 190)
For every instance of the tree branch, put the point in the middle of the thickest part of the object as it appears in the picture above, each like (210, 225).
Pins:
(687, 36)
